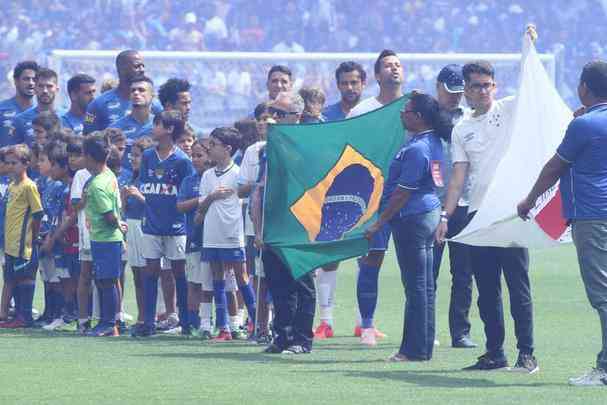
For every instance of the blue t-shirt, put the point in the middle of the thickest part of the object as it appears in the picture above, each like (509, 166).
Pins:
(417, 168)
(4, 182)
(22, 124)
(53, 195)
(134, 207)
(9, 109)
(334, 112)
(73, 122)
(190, 188)
(160, 182)
(133, 130)
(108, 108)
(584, 185)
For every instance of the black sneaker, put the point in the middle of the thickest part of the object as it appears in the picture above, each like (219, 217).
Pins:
(273, 348)
(487, 362)
(526, 363)
(141, 330)
(84, 328)
(295, 349)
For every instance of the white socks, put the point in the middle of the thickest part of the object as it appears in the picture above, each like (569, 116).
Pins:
(327, 282)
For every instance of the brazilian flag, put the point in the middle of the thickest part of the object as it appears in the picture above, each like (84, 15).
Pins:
(324, 185)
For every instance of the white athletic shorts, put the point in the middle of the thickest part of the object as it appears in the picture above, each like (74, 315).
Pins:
(198, 272)
(155, 247)
(134, 242)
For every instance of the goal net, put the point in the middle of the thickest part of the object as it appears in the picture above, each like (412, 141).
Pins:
(226, 86)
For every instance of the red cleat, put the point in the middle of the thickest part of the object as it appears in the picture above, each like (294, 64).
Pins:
(323, 331)
(223, 336)
(14, 324)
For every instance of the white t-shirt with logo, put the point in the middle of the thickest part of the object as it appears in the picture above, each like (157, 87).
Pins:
(76, 192)
(249, 171)
(223, 222)
(482, 141)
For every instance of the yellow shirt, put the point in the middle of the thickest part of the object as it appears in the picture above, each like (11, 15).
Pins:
(23, 203)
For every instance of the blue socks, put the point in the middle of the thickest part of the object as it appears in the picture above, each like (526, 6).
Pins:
(194, 320)
(26, 299)
(109, 301)
(366, 293)
(248, 296)
(150, 295)
(221, 304)
(181, 289)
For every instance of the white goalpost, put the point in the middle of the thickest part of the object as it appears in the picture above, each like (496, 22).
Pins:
(226, 86)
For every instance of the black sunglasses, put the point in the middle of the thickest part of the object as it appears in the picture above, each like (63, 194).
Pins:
(280, 113)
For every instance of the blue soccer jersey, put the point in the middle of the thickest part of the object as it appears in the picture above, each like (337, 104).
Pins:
(133, 130)
(134, 207)
(22, 126)
(73, 122)
(9, 109)
(4, 182)
(108, 108)
(334, 112)
(53, 196)
(190, 188)
(160, 182)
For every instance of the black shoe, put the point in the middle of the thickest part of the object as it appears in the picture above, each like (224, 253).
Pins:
(526, 363)
(296, 349)
(464, 343)
(141, 330)
(487, 362)
(273, 348)
(83, 329)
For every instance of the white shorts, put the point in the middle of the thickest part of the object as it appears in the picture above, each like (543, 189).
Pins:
(165, 264)
(231, 284)
(155, 247)
(198, 272)
(49, 272)
(134, 242)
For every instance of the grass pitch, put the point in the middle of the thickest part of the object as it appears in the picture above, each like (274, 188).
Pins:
(62, 368)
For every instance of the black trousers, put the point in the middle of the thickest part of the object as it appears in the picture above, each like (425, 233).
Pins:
(294, 302)
(488, 265)
(461, 276)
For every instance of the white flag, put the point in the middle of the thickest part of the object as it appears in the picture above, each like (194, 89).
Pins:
(540, 120)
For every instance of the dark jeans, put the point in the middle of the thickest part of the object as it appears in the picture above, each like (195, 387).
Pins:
(488, 264)
(461, 276)
(294, 302)
(413, 240)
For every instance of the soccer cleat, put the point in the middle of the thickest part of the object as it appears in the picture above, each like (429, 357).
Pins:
(367, 337)
(264, 339)
(54, 325)
(526, 363)
(295, 349)
(378, 334)
(171, 321)
(205, 335)
(323, 331)
(486, 363)
(596, 376)
(103, 331)
(84, 328)
(141, 330)
(239, 334)
(464, 343)
(398, 358)
(223, 336)
(173, 331)
(273, 348)
(14, 324)
(122, 328)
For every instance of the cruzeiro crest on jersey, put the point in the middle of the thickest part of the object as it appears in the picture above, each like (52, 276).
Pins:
(347, 196)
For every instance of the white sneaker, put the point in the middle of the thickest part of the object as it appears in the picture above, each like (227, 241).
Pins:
(56, 324)
(596, 376)
(367, 337)
(171, 322)
(172, 331)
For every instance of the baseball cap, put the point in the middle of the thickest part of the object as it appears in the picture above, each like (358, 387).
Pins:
(451, 76)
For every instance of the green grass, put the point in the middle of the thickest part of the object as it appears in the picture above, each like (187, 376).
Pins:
(39, 367)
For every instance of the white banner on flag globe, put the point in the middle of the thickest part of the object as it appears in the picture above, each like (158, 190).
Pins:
(540, 121)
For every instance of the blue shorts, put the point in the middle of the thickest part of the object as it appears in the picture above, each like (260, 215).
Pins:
(381, 239)
(107, 259)
(72, 264)
(18, 268)
(224, 255)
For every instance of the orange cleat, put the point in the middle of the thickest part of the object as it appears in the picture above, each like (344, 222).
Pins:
(223, 336)
(378, 334)
(323, 331)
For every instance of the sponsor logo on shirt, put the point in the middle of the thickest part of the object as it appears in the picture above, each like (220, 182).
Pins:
(437, 175)
(113, 104)
(159, 189)
(89, 118)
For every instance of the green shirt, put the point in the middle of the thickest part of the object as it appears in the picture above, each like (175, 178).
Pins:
(102, 196)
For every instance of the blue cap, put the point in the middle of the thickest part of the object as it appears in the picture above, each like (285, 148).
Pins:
(453, 79)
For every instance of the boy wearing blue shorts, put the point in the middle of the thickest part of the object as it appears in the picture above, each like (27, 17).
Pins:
(162, 171)
(102, 210)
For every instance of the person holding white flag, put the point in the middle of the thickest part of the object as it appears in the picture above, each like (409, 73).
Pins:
(580, 165)
(479, 141)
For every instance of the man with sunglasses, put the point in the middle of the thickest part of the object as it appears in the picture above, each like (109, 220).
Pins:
(478, 144)
(389, 75)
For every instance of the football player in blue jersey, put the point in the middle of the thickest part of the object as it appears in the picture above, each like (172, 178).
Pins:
(81, 90)
(114, 104)
(175, 95)
(162, 170)
(138, 122)
(24, 76)
(46, 92)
